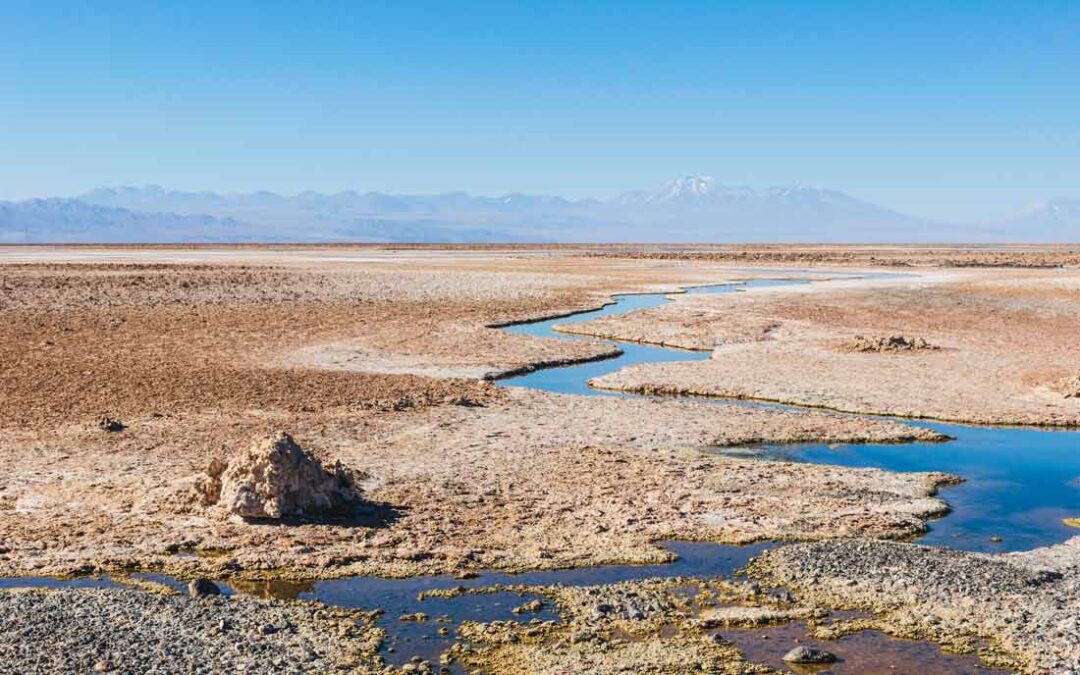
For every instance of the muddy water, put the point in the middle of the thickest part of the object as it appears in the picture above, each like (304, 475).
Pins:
(867, 652)
(1020, 483)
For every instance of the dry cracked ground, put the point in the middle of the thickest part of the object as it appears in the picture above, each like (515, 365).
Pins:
(382, 359)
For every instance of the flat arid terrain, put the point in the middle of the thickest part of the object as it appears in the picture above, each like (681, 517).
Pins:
(530, 459)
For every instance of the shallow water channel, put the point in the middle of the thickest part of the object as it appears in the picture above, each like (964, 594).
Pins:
(1020, 482)
(1019, 486)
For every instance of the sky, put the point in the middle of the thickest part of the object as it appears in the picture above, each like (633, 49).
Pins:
(951, 110)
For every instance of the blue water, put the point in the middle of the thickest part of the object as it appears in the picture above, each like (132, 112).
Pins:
(1020, 482)
(397, 597)
(574, 379)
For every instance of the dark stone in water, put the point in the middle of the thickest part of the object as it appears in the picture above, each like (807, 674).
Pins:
(804, 654)
(203, 587)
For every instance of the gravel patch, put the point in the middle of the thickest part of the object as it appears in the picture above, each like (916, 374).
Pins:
(1021, 610)
(128, 631)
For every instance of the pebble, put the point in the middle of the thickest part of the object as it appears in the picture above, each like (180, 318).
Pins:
(203, 587)
(804, 654)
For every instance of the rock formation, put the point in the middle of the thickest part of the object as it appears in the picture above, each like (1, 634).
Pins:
(892, 343)
(276, 479)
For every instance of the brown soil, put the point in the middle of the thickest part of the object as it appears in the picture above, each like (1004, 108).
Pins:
(197, 360)
(192, 353)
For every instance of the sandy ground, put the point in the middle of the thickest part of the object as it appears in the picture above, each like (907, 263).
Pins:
(374, 357)
(526, 480)
(199, 360)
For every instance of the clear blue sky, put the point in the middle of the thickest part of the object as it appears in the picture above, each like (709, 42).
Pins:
(955, 110)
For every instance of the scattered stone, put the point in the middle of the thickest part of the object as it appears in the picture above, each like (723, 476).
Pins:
(996, 539)
(202, 587)
(416, 616)
(804, 654)
(123, 630)
(275, 478)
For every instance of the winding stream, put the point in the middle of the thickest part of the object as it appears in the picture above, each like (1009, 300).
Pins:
(1020, 485)
(1020, 481)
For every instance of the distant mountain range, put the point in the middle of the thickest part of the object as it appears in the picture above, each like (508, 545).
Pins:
(688, 209)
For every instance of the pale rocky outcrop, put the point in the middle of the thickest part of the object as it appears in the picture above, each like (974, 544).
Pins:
(892, 343)
(276, 479)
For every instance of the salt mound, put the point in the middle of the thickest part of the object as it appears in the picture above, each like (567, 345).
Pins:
(892, 343)
(275, 479)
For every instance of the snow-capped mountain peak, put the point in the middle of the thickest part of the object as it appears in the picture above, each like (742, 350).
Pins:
(1054, 208)
(686, 187)
(681, 190)
(704, 190)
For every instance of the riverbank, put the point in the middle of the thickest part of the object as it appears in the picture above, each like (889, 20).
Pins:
(196, 354)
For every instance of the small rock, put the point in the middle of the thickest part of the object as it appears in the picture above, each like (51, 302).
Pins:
(534, 606)
(202, 587)
(106, 423)
(102, 667)
(582, 636)
(782, 595)
(804, 654)
(996, 539)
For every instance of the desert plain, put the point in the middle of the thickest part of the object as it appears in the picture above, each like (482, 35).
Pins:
(134, 377)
